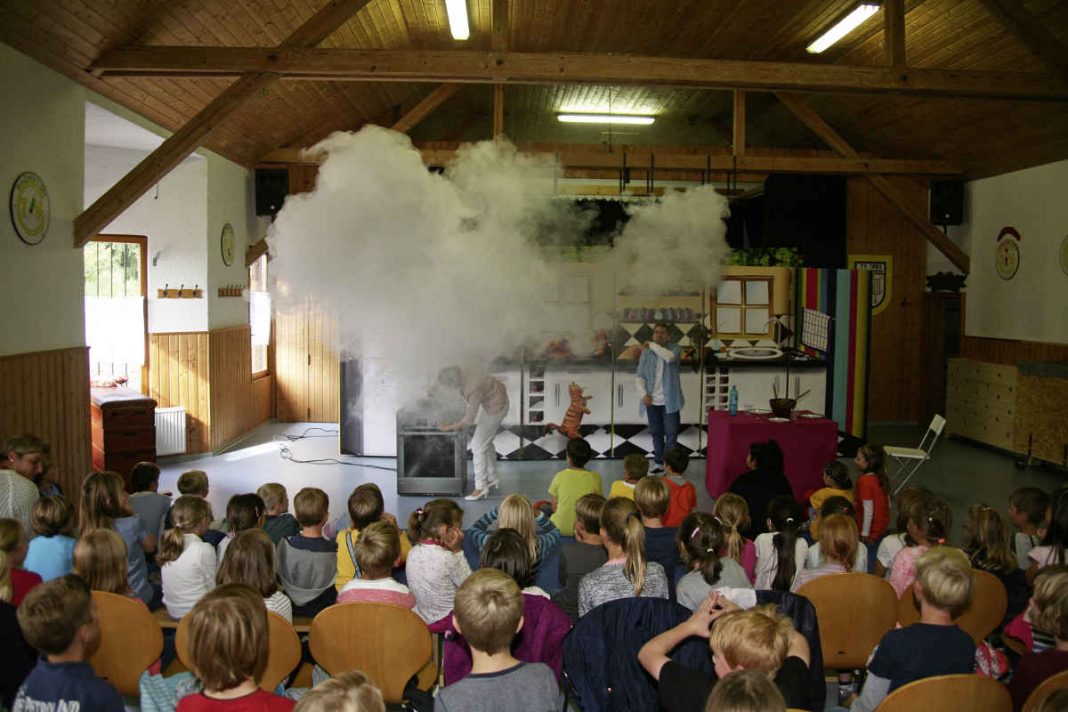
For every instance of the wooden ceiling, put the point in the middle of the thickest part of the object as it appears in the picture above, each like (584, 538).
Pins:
(981, 136)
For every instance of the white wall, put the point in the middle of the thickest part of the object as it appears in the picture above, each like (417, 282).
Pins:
(231, 199)
(173, 216)
(41, 130)
(1031, 306)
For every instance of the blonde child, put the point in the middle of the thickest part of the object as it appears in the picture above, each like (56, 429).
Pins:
(733, 514)
(652, 497)
(831, 506)
(628, 572)
(227, 643)
(349, 691)
(187, 561)
(780, 551)
(683, 493)
(250, 560)
(838, 550)
(836, 483)
(51, 552)
(516, 512)
(14, 544)
(635, 467)
(745, 691)
(700, 542)
(928, 526)
(906, 501)
(1027, 512)
(243, 512)
(436, 564)
(195, 484)
(934, 646)
(278, 522)
(307, 562)
(377, 551)
(100, 559)
(365, 506)
(570, 484)
(873, 505)
(105, 505)
(584, 555)
(1049, 614)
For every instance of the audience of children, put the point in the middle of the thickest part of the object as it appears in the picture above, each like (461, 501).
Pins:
(307, 562)
(635, 467)
(187, 562)
(871, 500)
(836, 483)
(100, 559)
(278, 522)
(837, 505)
(780, 551)
(243, 512)
(249, 560)
(1050, 615)
(582, 556)
(1027, 512)
(105, 505)
(628, 572)
(700, 542)
(349, 691)
(195, 484)
(146, 501)
(762, 482)
(436, 564)
(733, 513)
(652, 497)
(365, 506)
(683, 494)
(51, 551)
(516, 512)
(838, 551)
(14, 545)
(570, 484)
(377, 552)
(906, 500)
(929, 524)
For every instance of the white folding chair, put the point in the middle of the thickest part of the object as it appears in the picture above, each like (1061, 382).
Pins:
(909, 459)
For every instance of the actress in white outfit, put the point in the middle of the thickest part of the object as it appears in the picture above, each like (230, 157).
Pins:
(487, 404)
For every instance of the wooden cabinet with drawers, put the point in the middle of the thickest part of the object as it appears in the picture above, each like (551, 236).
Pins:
(123, 429)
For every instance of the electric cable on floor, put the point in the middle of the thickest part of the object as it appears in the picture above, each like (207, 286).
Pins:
(286, 454)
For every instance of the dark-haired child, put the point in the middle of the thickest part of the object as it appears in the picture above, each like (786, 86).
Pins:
(570, 484)
(780, 550)
(436, 564)
(1054, 547)
(905, 502)
(146, 501)
(871, 500)
(683, 494)
(836, 483)
(928, 526)
(365, 506)
(51, 552)
(377, 551)
(1027, 512)
(307, 563)
(762, 482)
(584, 555)
(635, 467)
(701, 540)
(243, 511)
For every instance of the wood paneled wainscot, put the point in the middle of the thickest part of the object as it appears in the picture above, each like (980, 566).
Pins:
(47, 393)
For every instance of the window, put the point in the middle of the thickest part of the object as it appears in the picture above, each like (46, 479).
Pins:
(743, 306)
(115, 307)
(259, 313)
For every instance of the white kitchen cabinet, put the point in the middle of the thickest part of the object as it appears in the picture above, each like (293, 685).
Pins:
(594, 383)
(691, 392)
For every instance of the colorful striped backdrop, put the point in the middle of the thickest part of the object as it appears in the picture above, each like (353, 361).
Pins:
(844, 295)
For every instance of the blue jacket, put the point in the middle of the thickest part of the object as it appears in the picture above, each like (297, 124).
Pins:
(801, 611)
(673, 400)
(70, 686)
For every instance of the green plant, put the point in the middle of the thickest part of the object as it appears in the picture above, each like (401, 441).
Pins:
(767, 257)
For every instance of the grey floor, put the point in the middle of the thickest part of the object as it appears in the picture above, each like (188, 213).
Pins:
(962, 472)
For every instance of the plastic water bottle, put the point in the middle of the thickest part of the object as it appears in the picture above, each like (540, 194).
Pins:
(732, 403)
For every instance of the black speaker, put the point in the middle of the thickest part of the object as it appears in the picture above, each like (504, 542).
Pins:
(947, 202)
(272, 186)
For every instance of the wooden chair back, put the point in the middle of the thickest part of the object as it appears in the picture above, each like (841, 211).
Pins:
(283, 649)
(130, 641)
(974, 693)
(1048, 687)
(388, 643)
(989, 603)
(854, 611)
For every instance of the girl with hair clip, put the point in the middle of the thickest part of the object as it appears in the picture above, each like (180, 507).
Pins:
(250, 560)
(906, 500)
(187, 562)
(627, 572)
(780, 551)
(243, 511)
(928, 526)
(988, 544)
(516, 512)
(700, 540)
(1054, 547)
(436, 564)
(105, 505)
(733, 513)
(873, 505)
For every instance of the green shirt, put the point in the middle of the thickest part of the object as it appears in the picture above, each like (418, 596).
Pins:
(567, 487)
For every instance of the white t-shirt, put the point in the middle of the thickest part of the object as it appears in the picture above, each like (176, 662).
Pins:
(1023, 544)
(888, 548)
(767, 563)
(189, 577)
(1043, 555)
(279, 603)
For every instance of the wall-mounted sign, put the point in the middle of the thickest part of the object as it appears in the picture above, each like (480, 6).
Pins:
(1007, 254)
(31, 210)
(882, 272)
(227, 244)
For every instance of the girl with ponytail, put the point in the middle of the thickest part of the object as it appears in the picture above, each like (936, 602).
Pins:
(780, 551)
(733, 513)
(929, 524)
(436, 564)
(628, 572)
(700, 540)
(187, 562)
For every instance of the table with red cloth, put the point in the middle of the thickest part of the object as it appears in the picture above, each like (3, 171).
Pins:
(808, 444)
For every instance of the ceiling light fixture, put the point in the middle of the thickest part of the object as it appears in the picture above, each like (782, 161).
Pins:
(606, 119)
(846, 25)
(458, 25)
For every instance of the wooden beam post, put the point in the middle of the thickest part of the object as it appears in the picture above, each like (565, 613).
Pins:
(738, 123)
(499, 43)
(917, 217)
(894, 32)
(498, 110)
(1032, 33)
(425, 107)
(181, 143)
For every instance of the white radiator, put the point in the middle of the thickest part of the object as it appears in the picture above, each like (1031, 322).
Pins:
(170, 431)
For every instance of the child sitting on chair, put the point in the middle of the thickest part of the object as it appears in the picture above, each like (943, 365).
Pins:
(652, 496)
(278, 522)
(377, 551)
(836, 483)
(1049, 613)
(307, 562)
(227, 641)
(586, 554)
(348, 691)
(51, 552)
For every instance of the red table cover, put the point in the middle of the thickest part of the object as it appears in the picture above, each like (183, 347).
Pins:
(808, 444)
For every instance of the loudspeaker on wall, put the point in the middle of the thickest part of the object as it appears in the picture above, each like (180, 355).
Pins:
(947, 202)
(272, 186)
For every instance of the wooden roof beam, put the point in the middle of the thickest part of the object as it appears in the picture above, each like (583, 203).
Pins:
(919, 220)
(738, 123)
(185, 140)
(1032, 33)
(574, 68)
(894, 32)
(425, 108)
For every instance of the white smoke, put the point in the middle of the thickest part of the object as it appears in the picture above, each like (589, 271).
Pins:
(425, 270)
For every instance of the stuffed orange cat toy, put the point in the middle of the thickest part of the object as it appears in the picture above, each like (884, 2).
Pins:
(573, 416)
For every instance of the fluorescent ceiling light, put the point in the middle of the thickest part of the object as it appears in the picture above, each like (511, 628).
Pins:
(457, 10)
(606, 119)
(847, 24)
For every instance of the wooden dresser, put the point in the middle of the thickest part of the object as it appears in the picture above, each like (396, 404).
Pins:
(123, 429)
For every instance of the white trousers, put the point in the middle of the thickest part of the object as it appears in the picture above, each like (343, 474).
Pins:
(483, 452)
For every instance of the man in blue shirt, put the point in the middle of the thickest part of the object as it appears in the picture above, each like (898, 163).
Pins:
(660, 391)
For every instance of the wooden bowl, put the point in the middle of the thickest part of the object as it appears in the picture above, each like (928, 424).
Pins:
(782, 407)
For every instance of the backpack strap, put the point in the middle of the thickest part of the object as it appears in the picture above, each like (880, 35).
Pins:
(352, 555)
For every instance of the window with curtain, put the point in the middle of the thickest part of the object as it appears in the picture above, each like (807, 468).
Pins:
(259, 313)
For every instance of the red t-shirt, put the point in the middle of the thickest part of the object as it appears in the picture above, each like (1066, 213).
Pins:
(21, 583)
(258, 701)
(683, 501)
(868, 488)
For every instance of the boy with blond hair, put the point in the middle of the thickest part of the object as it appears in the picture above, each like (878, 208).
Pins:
(349, 691)
(584, 555)
(635, 467)
(935, 645)
(488, 613)
(366, 507)
(653, 497)
(279, 523)
(1049, 614)
(306, 562)
(377, 552)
